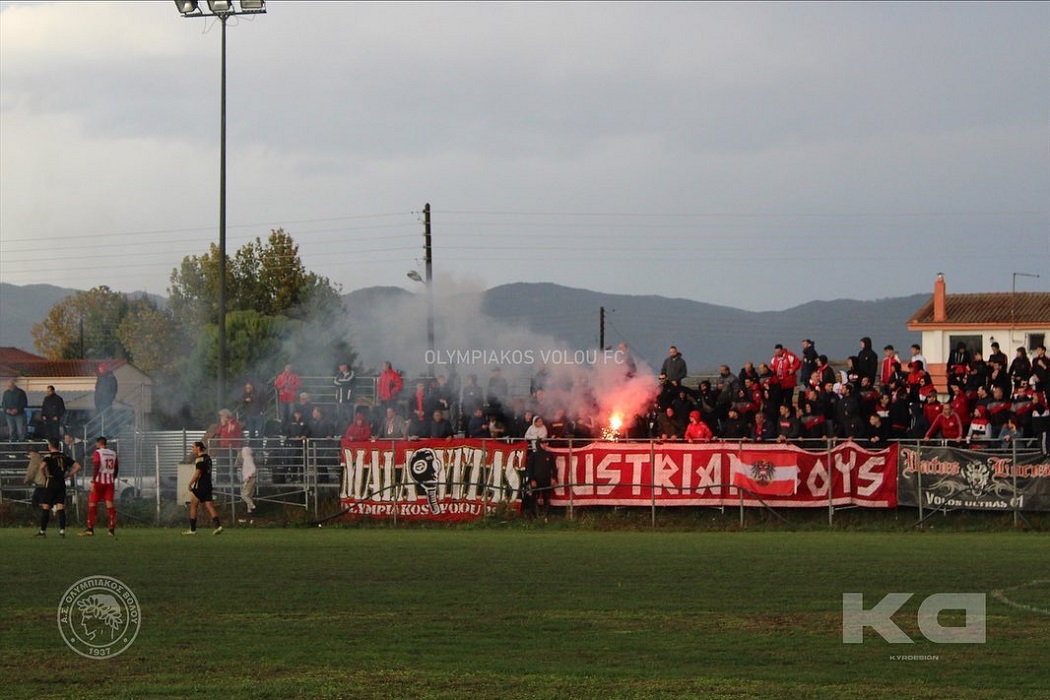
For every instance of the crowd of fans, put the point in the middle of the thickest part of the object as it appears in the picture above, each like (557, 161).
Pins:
(794, 398)
(872, 400)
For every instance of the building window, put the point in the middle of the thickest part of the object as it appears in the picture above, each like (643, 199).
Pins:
(1035, 340)
(973, 343)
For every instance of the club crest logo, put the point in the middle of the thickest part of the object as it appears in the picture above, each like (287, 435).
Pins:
(978, 477)
(99, 617)
(763, 472)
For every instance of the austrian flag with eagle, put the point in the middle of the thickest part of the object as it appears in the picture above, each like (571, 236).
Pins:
(765, 473)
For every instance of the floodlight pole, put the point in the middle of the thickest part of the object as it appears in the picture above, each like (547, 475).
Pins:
(221, 379)
(222, 11)
(429, 270)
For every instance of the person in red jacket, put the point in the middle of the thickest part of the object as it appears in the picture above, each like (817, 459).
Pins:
(230, 432)
(947, 424)
(887, 371)
(288, 384)
(359, 430)
(960, 404)
(389, 386)
(931, 408)
(785, 366)
(697, 430)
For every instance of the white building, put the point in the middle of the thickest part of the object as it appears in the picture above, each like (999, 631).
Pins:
(1013, 319)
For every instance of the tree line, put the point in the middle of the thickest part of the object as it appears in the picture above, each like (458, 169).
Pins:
(277, 312)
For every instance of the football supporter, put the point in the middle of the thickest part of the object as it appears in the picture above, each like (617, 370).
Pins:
(789, 428)
(948, 425)
(697, 430)
(887, 371)
(785, 367)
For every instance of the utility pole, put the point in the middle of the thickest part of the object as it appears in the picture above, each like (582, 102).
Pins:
(601, 328)
(429, 272)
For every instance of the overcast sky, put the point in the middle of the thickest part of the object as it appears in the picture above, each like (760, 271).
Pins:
(752, 155)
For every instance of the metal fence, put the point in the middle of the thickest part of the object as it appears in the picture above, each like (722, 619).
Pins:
(298, 474)
(290, 473)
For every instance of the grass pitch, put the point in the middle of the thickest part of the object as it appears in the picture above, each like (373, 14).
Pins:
(524, 613)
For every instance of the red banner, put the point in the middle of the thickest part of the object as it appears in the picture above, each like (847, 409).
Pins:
(457, 479)
(639, 474)
(462, 479)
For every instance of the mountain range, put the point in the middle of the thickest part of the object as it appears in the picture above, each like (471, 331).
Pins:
(706, 334)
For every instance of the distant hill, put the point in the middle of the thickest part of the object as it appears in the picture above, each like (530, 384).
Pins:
(523, 313)
(22, 307)
(706, 334)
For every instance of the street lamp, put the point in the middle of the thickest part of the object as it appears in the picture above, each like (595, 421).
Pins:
(429, 282)
(223, 9)
(416, 277)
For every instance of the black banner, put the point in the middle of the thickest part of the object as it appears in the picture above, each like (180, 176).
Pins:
(945, 477)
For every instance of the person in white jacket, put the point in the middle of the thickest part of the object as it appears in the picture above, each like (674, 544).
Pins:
(249, 476)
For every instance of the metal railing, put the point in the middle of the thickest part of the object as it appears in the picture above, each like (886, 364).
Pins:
(300, 474)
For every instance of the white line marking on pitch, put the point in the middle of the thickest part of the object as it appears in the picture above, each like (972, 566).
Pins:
(1000, 595)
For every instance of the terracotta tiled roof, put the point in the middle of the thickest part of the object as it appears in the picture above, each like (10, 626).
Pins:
(1022, 308)
(41, 367)
(8, 355)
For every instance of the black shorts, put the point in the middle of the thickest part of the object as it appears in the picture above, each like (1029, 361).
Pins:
(53, 495)
(202, 491)
(39, 494)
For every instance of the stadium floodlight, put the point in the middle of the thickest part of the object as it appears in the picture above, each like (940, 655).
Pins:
(223, 10)
(220, 8)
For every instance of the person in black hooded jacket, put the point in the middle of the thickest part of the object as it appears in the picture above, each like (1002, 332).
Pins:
(867, 361)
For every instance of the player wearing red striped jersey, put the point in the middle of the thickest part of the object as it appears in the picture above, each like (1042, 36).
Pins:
(103, 483)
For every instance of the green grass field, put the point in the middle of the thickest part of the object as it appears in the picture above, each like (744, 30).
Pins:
(542, 612)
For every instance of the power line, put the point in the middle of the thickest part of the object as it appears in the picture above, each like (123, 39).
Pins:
(748, 215)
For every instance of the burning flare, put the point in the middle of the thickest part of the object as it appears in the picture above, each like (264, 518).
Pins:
(613, 431)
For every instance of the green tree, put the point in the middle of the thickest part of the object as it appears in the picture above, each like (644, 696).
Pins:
(268, 277)
(150, 337)
(83, 325)
(277, 312)
(194, 292)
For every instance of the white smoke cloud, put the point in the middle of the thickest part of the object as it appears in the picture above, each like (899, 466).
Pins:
(580, 380)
